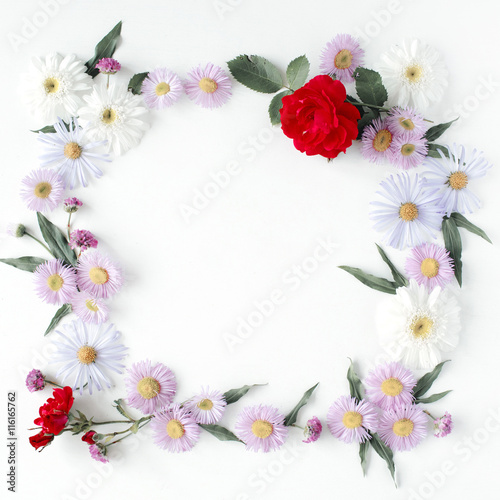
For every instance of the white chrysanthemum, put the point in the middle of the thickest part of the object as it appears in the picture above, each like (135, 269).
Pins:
(54, 86)
(414, 75)
(114, 114)
(418, 326)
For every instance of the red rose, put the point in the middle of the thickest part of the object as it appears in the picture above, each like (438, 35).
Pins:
(88, 437)
(317, 118)
(54, 413)
(40, 440)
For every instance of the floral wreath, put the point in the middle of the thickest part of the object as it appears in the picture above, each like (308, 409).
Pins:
(386, 409)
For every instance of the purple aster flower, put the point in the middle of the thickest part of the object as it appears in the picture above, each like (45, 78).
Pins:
(312, 430)
(403, 428)
(390, 385)
(98, 275)
(443, 426)
(411, 212)
(430, 265)
(82, 239)
(71, 205)
(55, 283)
(16, 230)
(97, 453)
(35, 381)
(207, 407)
(108, 66)
(208, 86)
(175, 429)
(89, 309)
(42, 190)
(402, 120)
(408, 151)
(261, 428)
(350, 420)
(376, 141)
(341, 57)
(150, 387)
(161, 88)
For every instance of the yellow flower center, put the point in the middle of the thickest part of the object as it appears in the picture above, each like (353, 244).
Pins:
(72, 150)
(148, 387)
(43, 190)
(98, 275)
(382, 140)
(108, 116)
(262, 428)
(86, 355)
(407, 149)
(175, 429)
(429, 267)
(406, 123)
(51, 85)
(403, 427)
(207, 85)
(414, 73)
(162, 88)
(91, 305)
(392, 387)
(408, 211)
(205, 404)
(55, 282)
(343, 59)
(352, 419)
(458, 180)
(421, 327)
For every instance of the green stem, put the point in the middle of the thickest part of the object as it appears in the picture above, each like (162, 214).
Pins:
(433, 418)
(125, 437)
(298, 426)
(69, 225)
(53, 383)
(41, 243)
(114, 422)
(357, 103)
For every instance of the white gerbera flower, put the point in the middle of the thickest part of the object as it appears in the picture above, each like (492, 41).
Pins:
(419, 325)
(414, 75)
(114, 114)
(54, 86)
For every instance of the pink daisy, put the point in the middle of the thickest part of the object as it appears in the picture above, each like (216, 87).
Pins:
(350, 420)
(408, 151)
(207, 407)
(341, 57)
(98, 275)
(390, 385)
(150, 388)
(402, 120)
(430, 265)
(403, 428)
(89, 309)
(55, 283)
(209, 87)
(261, 428)
(42, 190)
(376, 141)
(174, 429)
(161, 88)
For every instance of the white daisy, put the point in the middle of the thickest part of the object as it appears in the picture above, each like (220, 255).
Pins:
(90, 351)
(54, 86)
(114, 114)
(418, 325)
(414, 75)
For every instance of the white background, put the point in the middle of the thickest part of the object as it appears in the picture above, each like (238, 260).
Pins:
(188, 282)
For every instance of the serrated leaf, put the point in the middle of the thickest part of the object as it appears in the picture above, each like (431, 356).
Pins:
(64, 310)
(25, 263)
(453, 244)
(433, 398)
(366, 118)
(291, 418)
(461, 221)
(380, 284)
(363, 448)
(386, 453)
(297, 72)
(234, 395)
(355, 385)
(426, 381)
(437, 131)
(56, 240)
(105, 48)
(135, 83)
(276, 105)
(256, 73)
(221, 433)
(399, 278)
(433, 151)
(369, 87)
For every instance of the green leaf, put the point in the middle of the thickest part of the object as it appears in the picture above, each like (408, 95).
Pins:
(433, 151)
(221, 433)
(256, 73)
(366, 118)
(369, 87)
(426, 381)
(461, 221)
(25, 263)
(105, 48)
(119, 408)
(363, 448)
(437, 131)
(453, 244)
(64, 310)
(49, 129)
(56, 240)
(136, 426)
(380, 284)
(398, 277)
(297, 72)
(433, 398)
(135, 83)
(234, 395)
(276, 105)
(386, 453)
(355, 385)
(291, 418)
